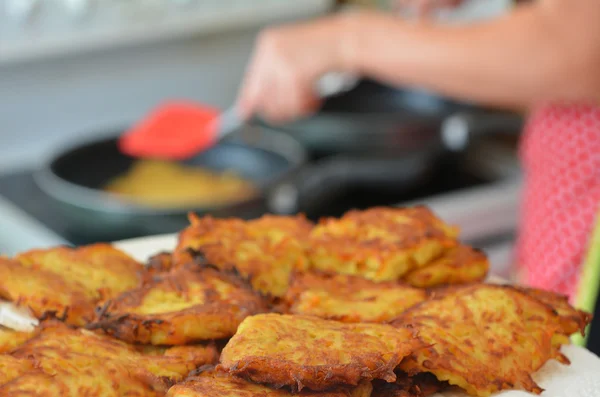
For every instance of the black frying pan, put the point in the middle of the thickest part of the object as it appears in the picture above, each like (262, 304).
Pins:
(75, 177)
(381, 137)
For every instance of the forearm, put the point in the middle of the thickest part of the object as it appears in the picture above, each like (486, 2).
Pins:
(527, 57)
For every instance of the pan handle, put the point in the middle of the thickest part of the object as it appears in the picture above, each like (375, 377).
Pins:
(460, 128)
(315, 185)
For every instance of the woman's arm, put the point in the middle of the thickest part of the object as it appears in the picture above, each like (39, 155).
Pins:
(545, 51)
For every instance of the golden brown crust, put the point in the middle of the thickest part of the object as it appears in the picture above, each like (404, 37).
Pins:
(349, 299)
(459, 265)
(61, 361)
(58, 348)
(101, 268)
(571, 319)
(74, 375)
(12, 368)
(10, 339)
(380, 244)
(188, 304)
(45, 293)
(218, 384)
(265, 251)
(472, 331)
(302, 351)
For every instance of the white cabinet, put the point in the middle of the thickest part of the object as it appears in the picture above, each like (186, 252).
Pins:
(34, 28)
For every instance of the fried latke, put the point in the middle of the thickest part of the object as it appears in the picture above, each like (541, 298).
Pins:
(264, 250)
(188, 304)
(218, 384)
(350, 299)
(10, 339)
(482, 338)
(11, 368)
(102, 269)
(61, 361)
(459, 265)
(67, 374)
(571, 319)
(45, 293)
(301, 351)
(56, 341)
(380, 244)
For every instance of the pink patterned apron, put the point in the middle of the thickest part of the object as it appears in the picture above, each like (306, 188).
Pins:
(561, 157)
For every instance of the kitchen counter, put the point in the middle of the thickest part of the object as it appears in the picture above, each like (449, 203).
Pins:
(21, 232)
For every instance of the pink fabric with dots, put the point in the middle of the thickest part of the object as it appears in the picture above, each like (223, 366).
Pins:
(561, 157)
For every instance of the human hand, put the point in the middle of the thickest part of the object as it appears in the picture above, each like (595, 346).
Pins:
(287, 62)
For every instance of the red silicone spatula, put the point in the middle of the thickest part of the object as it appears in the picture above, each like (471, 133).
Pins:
(178, 130)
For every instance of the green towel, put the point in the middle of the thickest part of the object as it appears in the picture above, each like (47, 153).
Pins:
(589, 284)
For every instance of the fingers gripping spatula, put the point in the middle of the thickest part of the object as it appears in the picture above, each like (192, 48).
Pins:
(179, 130)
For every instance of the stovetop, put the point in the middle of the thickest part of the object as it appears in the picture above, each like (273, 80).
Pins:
(20, 189)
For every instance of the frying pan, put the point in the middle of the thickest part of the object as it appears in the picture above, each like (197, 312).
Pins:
(75, 177)
(382, 138)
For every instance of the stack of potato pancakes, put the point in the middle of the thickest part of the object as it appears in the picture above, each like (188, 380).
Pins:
(381, 302)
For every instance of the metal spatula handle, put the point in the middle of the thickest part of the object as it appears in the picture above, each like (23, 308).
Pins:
(328, 85)
(335, 83)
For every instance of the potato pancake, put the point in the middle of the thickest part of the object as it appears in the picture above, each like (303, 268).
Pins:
(265, 251)
(380, 244)
(11, 368)
(482, 338)
(68, 374)
(420, 385)
(218, 384)
(459, 265)
(45, 293)
(350, 299)
(189, 304)
(10, 339)
(571, 319)
(102, 269)
(56, 345)
(301, 351)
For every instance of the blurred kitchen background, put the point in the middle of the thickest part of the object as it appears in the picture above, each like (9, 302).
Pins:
(80, 71)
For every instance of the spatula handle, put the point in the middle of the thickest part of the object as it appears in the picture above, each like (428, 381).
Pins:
(229, 121)
(335, 83)
(329, 84)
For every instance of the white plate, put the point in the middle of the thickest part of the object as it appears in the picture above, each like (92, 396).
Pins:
(144, 247)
